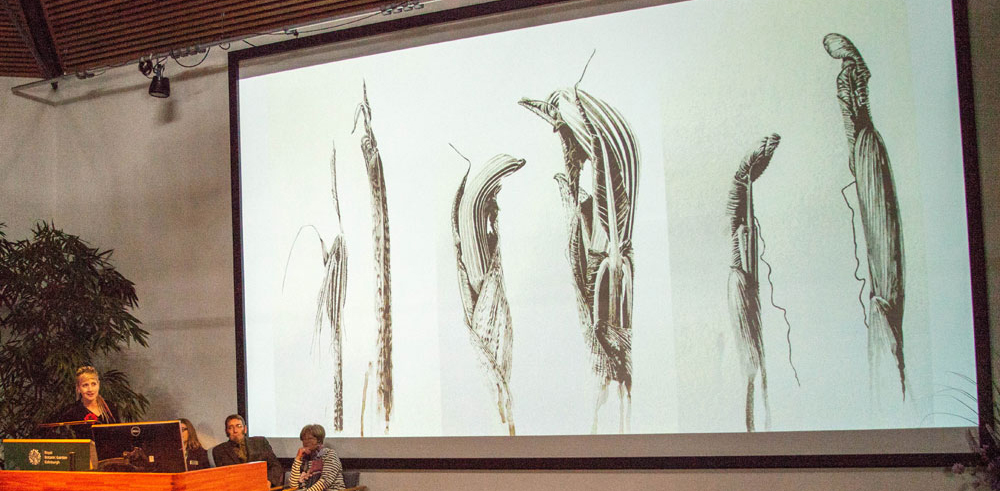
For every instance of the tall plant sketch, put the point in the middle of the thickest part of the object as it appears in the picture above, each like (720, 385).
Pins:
(744, 283)
(383, 297)
(879, 210)
(599, 228)
(480, 274)
(332, 294)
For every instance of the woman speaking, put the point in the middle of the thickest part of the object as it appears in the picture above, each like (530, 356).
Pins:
(90, 406)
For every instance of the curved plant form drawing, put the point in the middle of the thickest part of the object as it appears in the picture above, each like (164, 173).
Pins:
(744, 284)
(879, 209)
(480, 275)
(332, 293)
(599, 228)
(380, 236)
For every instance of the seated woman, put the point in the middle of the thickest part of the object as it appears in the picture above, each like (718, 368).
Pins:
(316, 468)
(90, 406)
(195, 455)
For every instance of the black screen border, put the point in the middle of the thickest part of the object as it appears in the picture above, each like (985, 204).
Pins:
(977, 266)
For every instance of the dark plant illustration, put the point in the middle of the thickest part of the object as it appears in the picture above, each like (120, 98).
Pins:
(383, 296)
(332, 294)
(600, 224)
(879, 209)
(480, 274)
(744, 284)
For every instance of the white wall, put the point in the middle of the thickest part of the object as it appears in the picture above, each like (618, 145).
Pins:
(150, 178)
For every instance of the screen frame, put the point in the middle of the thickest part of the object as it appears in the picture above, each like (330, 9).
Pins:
(977, 264)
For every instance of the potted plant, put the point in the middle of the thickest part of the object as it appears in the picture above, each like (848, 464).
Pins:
(62, 305)
(983, 468)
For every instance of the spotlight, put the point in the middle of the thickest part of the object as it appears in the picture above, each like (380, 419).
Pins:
(160, 86)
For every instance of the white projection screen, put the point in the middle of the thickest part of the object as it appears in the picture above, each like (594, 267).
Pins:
(705, 233)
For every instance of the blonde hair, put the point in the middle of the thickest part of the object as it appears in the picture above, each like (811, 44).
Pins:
(90, 370)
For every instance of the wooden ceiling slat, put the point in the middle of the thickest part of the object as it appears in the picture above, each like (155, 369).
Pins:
(208, 32)
(18, 73)
(147, 21)
(82, 7)
(15, 62)
(16, 56)
(90, 34)
(7, 57)
(13, 56)
(140, 13)
(10, 44)
(101, 8)
(15, 8)
(204, 33)
(19, 69)
(122, 55)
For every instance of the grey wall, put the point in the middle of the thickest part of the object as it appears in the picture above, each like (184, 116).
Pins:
(150, 179)
(984, 30)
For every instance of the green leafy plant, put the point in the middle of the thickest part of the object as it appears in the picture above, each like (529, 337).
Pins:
(62, 305)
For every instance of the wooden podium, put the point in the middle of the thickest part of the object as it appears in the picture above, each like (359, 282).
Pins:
(242, 477)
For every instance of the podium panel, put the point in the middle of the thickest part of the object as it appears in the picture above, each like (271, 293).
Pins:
(49, 455)
(242, 477)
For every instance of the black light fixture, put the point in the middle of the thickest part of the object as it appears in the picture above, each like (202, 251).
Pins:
(160, 86)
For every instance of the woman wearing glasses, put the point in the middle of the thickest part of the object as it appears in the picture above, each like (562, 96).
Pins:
(316, 468)
(195, 454)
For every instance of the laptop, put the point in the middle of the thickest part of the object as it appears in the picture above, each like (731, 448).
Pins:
(151, 446)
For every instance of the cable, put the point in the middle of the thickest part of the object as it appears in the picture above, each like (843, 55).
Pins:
(342, 24)
(203, 58)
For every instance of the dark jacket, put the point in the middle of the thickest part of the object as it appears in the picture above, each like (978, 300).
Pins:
(197, 459)
(78, 412)
(258, 449)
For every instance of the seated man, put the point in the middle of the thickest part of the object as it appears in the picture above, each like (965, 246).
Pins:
(240, 449)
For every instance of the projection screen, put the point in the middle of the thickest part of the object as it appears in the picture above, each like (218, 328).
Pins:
(609, 229)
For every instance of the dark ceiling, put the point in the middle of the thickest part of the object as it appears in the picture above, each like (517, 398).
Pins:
(49, 38)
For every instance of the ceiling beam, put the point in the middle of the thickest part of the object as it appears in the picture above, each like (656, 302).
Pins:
(29, 18)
